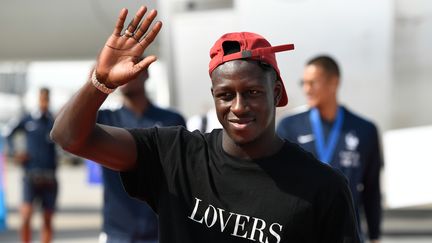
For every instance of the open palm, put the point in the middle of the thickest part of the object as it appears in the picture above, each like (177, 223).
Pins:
(119, 61)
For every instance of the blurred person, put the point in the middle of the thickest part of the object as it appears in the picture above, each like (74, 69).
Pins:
(39, 161)
(204, 122)
(338, 137)
(241, 183)
(126, 219)
(3, 208)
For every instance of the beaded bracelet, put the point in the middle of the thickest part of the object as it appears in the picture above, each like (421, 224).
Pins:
(100, 86)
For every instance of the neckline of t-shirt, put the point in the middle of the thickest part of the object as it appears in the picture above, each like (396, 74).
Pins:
(250, 162)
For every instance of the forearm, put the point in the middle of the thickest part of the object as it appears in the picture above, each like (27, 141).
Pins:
(371, 197)
(77, 119)
(373, 213)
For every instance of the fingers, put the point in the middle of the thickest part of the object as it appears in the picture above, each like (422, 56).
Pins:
(120, 21)
(136, 20)
(151, 35)
(143, 64)
(142, 29)
(136, 30)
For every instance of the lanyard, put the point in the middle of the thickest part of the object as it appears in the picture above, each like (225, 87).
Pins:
(325, 149)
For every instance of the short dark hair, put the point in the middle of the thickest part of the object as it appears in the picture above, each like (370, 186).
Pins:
(327, 63)
(45, 90)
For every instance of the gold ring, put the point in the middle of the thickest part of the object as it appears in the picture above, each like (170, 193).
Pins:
(128, 33)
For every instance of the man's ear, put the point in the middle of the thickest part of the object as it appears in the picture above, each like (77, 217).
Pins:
(337, 81)
(334, 81)
(277, 92)
(211, 91)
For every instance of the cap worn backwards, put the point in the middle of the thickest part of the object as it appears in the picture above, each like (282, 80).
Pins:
(252, 46)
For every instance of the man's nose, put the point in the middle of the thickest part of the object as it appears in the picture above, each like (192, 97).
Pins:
(307, 87)
(239, 104)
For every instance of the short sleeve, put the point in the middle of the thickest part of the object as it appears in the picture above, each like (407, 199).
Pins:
(158, 152)
(144, 181)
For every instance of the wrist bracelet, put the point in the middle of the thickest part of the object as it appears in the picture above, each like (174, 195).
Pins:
(100, 86)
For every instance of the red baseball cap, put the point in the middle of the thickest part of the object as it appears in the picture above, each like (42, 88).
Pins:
(252, 46)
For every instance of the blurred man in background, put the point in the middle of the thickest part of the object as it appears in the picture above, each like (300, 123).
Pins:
(39, 162)
(3, 208)
(338, 137)
(125, 219)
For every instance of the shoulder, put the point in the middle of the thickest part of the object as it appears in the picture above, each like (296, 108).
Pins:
(296, 122)
(106, 116)
(22, 119)
(25, 117)
(298, 113)
(108, 111)
(14, 123)
(358, 121)
(167, 114)
(313, 172)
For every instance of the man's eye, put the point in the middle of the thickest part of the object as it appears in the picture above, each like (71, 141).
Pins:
(225, 96)
(254, 92)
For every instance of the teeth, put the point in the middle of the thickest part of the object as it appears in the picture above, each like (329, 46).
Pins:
(240, 121)
(241, 124)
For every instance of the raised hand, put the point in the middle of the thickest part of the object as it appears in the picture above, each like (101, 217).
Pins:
(119, 61)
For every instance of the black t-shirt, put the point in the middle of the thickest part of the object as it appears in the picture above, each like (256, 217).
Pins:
(202, 194)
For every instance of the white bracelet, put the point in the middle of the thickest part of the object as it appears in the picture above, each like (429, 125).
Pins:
(100, 86)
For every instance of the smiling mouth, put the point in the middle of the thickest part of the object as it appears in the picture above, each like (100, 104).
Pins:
(310, 97)
(241, 123)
